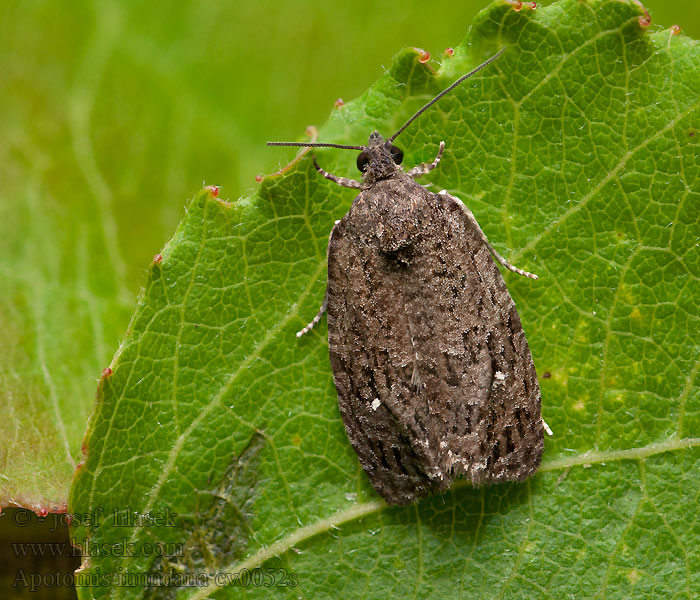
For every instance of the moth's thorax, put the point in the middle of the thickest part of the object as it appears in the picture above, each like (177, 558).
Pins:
(381, 164)
(393, 213)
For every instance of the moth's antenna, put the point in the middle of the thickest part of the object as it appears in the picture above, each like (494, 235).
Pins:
(316, 145)
(443, 92)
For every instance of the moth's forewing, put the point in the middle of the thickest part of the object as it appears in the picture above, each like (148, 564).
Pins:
(434, 376)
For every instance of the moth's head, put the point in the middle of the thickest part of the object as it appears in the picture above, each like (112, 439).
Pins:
(380, 159)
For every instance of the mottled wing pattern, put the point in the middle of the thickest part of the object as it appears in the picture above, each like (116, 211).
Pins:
(434, 375)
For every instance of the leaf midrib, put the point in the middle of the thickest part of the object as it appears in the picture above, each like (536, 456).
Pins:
(358, 511)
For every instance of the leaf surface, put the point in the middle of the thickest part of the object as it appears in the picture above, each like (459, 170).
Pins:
(108, 122)
(578, 153)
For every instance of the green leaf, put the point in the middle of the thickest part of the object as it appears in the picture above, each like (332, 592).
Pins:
(108, 122)
(577, 151)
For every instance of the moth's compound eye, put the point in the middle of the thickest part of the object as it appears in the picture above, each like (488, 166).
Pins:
(362, 161)
(396, 154)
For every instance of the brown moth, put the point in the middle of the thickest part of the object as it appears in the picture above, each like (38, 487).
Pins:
(434, 376)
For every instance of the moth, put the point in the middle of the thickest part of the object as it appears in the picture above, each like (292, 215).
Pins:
(434, 375)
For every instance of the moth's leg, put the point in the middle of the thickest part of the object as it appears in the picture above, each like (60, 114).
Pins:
(317, 318)
(349, 183)
(546, 427)
(324, 304)
(424, 168)
(496, 255)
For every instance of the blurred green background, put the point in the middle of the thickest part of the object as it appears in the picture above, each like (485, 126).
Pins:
(113, 114)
